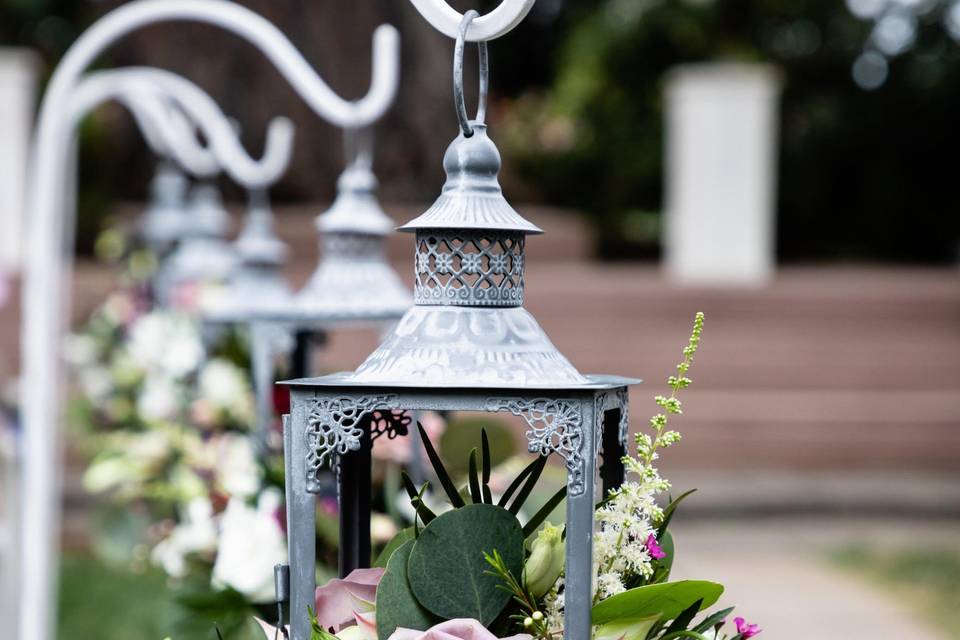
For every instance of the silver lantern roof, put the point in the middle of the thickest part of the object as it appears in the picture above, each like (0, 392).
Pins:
(202, 256)
(468, 327)
(353, 281)
(164, 219)
(257, 287)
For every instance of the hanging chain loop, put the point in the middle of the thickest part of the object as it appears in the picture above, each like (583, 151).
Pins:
(466, 125)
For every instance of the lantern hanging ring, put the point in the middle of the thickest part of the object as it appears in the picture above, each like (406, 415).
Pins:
(466, 125)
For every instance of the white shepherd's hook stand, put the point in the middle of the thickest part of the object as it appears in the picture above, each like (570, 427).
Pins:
(491, 26)
(43, 294)
(169, 110)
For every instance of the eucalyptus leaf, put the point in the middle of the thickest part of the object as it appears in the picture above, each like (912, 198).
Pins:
(396, 604)
(395, 543)
(667, 600)
(447, 570)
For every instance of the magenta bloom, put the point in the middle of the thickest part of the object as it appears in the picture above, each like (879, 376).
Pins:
(746, 630)
(654, 549)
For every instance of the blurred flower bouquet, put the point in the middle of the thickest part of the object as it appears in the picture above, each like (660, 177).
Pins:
(476, 572)
(165, 418)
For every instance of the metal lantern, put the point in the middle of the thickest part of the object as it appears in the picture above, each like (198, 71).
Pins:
(353, 281)
(353, 284)
(163, 220)
(202, 256)
(467, 345)
(257, 286)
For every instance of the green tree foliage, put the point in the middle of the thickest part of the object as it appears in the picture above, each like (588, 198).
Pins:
(862, 174)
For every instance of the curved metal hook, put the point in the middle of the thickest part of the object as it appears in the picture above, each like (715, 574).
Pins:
(500, 21)
(204, 113)
(166, 130)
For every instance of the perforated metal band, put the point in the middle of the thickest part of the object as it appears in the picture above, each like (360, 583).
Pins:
(469, 267)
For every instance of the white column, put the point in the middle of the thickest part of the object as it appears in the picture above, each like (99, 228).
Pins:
(18, 85)
(720, 173)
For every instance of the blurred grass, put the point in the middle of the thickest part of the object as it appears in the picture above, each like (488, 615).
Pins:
(110, 603)
(928, 580)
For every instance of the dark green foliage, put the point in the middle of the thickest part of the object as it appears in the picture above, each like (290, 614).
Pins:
(448, 486)
(669, 511)
(668, 600)
(861, 174)
(447, 570)
(396, 604)
(534, 523)
(682, 621)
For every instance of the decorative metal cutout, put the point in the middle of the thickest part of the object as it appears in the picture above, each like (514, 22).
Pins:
(469, 267)
(599, 413)
(556, 426)
(334, 428)
(354, 246)
(391, 423)
(623, 398)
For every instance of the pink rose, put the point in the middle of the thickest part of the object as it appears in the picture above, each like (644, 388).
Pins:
(340, 599)
(461, 629)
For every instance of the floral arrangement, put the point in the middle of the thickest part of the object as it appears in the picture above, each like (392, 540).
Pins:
(165, 415)
(476, 572)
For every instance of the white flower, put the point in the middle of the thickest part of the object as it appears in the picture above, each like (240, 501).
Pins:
(96, 384)
(609, 584)
(80, 350)
(166, 342)
(139, 457)
(224, 387)
(251, 543)
(196, 534)
(159, 399)
(237, 471)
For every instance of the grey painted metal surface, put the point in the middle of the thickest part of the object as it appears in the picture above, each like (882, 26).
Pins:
(202, 256)
(257, 286)
(353, 280)
(468, 327)
(164, 218)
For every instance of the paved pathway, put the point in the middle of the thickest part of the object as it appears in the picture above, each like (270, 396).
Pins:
(776, 574)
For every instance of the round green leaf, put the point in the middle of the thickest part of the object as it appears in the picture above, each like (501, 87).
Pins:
(447, 569)
(403, 536)
(396, 604)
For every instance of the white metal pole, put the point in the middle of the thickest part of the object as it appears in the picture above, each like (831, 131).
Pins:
(43, 294)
